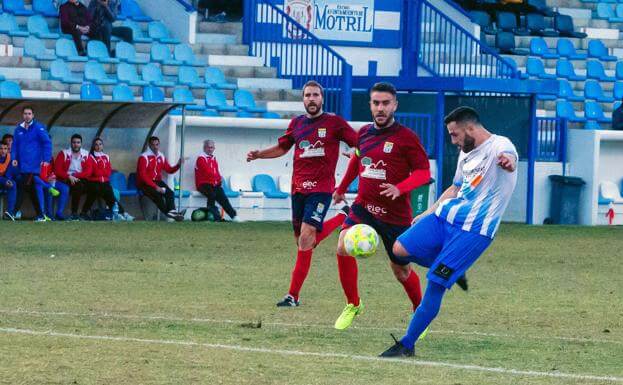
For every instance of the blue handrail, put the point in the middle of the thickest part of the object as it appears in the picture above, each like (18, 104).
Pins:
(551, 139)
(446, 49)
(187, 6)
(282, 42)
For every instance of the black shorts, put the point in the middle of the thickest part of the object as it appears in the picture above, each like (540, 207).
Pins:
(310, 209)
(387, 231)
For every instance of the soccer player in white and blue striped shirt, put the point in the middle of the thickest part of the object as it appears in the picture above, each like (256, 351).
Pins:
(451, 235)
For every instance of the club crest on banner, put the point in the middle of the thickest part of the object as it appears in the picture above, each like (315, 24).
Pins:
(301, 11)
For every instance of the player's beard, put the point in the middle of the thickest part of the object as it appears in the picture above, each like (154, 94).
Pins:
(316, 108)
(468, 143)
(388, 120)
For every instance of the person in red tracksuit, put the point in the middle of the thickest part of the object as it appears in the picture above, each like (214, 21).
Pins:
(208, 181)
(151, 163)
(99, 181)
(72, 166)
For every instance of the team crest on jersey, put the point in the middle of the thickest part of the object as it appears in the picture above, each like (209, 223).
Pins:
(322, 132)
(387, 148)
(311, 150)
(373, 170)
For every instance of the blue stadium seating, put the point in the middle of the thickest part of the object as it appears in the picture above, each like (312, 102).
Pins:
(184, 95)
(228, 191)
(130, 9)
(96, 50)
(505, 43)
(264, 183)
(34, 47)
(90, 91)
(271, 115)
(605, 11)
(535, 23)
(353, 187)
(158, 31)
(16, 7)
(535, 68)
(565, 91)
(160, 53)
(565, 48)
(244, 114)
(45, 8)
(243, 99)
(10, 89)
(153, 94)
(595, 70)
(94, 72)
(564, 25)
(215, 78)
(483, 19)
(122, 93)
(119, 183)
(8, 24)
(66, 49)
(597, 49)
(538, 47)
(184, 53)
(507, 21)
(137, 33)
(619, 70)
(152, 74)
(127, 53)
(38, 26)
(188, 76)
(216, 99)
(593, 111)
(617, 91)
(59, 70)
(564, 109)
(126, 73)
(593, 91)
(209, 112)
(564, 69)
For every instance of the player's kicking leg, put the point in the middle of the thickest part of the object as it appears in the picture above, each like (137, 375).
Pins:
(347, 268)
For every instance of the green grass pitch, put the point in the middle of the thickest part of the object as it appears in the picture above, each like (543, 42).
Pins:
(194, 303)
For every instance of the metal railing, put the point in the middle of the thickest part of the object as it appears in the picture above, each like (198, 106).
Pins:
(446, 49)
(551, 139)
(422, 125)
(282, 42)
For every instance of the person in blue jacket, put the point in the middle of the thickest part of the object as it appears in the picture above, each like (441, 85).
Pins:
(31, 150)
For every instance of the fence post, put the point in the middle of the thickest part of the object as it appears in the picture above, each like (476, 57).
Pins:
(417, 12)
(347, 91)
(563, 144)
(250, 6)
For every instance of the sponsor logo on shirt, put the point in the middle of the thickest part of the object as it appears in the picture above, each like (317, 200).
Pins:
(372, 170)
(322, 132)
(309, 184)
(311, 150)
(387, 148)
(378, 210)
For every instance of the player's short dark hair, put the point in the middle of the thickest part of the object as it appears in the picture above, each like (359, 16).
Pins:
(313, 83)
(384, 87)
(76, 136)
(28, 107)
(3, 143)
(5, 137)
(153, 139)
(462, 114)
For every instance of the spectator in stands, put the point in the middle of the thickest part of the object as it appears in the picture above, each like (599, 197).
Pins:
(8, 184)
(151, 163)
(221, 10)
(99, 181)
(208, 181)
(31, 151)
(8, 139)
(76, 21)
(103, 14)
(617, 118)
(72, 166)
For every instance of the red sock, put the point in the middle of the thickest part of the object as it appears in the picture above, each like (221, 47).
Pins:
(413, 289)
(347, 267)
(299, 273)
(329, 225)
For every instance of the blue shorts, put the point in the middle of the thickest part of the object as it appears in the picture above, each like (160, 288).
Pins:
(310, 209)
(387, 231)
(447, 250)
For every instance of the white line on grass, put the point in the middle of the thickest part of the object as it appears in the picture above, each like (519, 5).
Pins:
(514, 372)
(301, 325)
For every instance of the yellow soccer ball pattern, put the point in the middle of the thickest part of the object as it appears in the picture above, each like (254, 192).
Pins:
(361, 241)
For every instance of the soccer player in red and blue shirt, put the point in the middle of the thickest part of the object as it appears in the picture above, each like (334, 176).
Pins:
(390, 162)
(316, 139)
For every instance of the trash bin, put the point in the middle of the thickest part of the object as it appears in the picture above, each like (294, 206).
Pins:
(419, 198)
(565, 199)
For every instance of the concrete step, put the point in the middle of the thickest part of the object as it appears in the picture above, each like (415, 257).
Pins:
(524, 42)
(254, 83)
(218, 38)
(232, 60)
(550, 105)
(551, 63)
(221, 28)
(21, 73)
(220, 49)
(17, 61)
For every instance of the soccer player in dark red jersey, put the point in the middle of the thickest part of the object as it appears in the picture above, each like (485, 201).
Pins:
(390, 162)
(316, 137)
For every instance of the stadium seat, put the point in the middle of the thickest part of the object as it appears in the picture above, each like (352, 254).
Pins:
(609, 193)
(122, 93)
(535, 68)
(10, 89)
(66, 49)
(244, 114)
(94, 72)
(215, 78)
(119, 183)
(353, 187)
(209, 112)
(265, 184)
(617, 104)
(606, 12)
(137, 33)
(59, 70)
(617, 92)
(597, 49)
(271, 115)
(130, 9)
(566, 92)
(565, 48)
(160, 53)
(16, 7)
(513, 64)
(619, 70)
(564, 25)
(96, 50)
(483, 19)
(593, 91)
(507, 22)
(243, 99)
(564, 109)
(505, 43)
(126, 73)
(153, 94)
(285, 183)
(132, 183)
(158, 31)
(538, 47)
(595, 70)
(564, 69)
(90, 91)
(242, 184)
(184, 53)
(189, 77)
(539, 6)
(127, 53)
(228, 191)
(184, 95)
(34, 47)
(215, 99)
(152, 74)
(592, 125)
(593, 111)
(38, 26)
(535, 23)
(45, 8)
(8, 24)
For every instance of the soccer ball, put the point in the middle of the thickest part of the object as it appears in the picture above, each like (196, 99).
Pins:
(361, 241)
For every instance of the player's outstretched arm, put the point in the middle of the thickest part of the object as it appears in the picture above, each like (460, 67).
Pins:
(451, 192)
(267, 153)
(507, 161)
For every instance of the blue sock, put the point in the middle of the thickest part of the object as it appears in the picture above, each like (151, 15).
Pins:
(424, 314)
